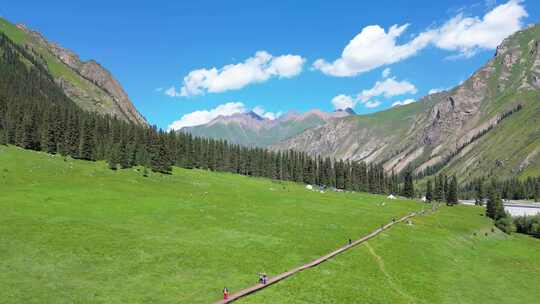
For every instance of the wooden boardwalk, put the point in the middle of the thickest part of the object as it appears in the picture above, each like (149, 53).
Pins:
(284, 275)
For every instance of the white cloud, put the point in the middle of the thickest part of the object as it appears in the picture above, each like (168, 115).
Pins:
(342, 102)
(385, 73)
(172, 92)
(372, 104)
(435, 90)
(389, 87)
(374, 47)
(404, 102)
(259, 110)
(371, 48)
(205, 116)
(258, 68)
(158, 89)
(468, 34)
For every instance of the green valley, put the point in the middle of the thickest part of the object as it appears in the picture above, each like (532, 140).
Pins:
(292, 153)
(75, 231)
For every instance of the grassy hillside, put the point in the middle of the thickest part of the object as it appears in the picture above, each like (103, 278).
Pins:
(466, 130)
(57, 68)
(85, 92)
(75, 231)
(442, 258)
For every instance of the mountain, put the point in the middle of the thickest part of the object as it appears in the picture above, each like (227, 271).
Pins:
(488, 125)
(87, 83)
(250, 129)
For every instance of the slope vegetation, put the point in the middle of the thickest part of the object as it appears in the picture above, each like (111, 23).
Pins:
(452, 256)
(486, 126)
(87, 83)
(76, 231)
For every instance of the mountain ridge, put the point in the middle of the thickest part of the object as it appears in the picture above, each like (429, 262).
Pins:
(89, 84)
(451, 130)
(251, 129)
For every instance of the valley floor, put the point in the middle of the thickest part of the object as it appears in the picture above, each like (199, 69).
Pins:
(448, 257)
(76, 232)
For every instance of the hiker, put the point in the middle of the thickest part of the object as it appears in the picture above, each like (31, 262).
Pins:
(225, 293)
(350, 242)
(264, 278)
(261, 280)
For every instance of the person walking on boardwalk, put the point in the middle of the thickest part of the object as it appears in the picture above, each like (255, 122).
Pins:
(225, 293)
(264, 279)
(350, 242)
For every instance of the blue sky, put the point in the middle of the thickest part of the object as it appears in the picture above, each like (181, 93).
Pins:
(156, 45)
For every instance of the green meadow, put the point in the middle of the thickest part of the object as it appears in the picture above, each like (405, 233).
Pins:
(77, 232)
(452, 256)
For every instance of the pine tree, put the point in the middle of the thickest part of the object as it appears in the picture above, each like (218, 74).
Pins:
(159, 156)
(408, 187)
(446, 187)
(3, 137)
(439, 189)
(25, 133)
(494, 206)
(452, 197)
(72, 136)
(340, 175)
(124, 157)
(114, 157)
(87, 142)
(479, 195)
(429, 191)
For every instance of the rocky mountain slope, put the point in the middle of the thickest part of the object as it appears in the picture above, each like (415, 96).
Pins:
(87, 83)
(250, 129)
(490, 124)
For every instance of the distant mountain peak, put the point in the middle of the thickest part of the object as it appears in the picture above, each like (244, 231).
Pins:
(254, 115)
(251, 129)
(349, 111)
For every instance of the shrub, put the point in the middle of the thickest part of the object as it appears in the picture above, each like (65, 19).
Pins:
(506, 224)
(528, 225)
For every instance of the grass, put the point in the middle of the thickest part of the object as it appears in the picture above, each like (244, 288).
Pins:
(438, 259)
(385, 123)
(76, 232)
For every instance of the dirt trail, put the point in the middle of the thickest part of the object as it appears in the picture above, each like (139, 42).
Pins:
(393, 285)
(284, 275)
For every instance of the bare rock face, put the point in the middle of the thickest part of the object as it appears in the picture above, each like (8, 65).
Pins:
(96, 90)
(94, 72)
(67, 56)
(443, 128)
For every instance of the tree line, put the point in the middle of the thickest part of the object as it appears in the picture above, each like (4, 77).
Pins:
(492, 192)
(511, 189)
(442, 189)
(35, 114)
